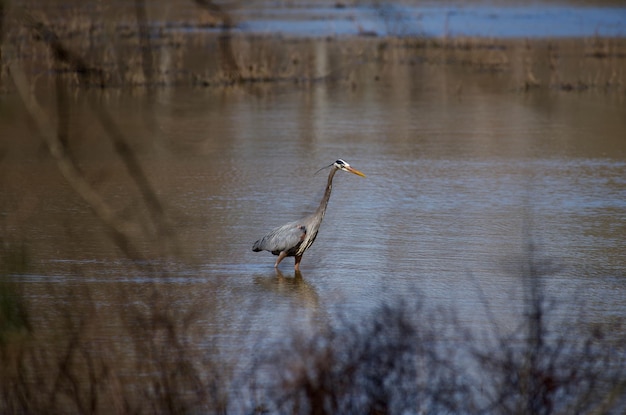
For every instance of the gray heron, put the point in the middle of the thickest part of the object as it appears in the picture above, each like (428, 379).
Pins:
(293, 238)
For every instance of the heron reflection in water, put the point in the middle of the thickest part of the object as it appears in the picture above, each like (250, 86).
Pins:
(294, 238)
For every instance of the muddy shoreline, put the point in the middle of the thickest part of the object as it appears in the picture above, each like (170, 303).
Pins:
(135, 49)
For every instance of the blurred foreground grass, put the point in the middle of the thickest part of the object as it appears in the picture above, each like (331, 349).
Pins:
(402, 358)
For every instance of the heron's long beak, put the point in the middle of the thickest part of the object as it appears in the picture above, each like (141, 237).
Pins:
(355, 171)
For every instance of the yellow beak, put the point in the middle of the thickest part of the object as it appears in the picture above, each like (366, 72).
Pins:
(355, 171)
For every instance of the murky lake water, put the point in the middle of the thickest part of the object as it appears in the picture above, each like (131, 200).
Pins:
(455, 185)
(462, 173)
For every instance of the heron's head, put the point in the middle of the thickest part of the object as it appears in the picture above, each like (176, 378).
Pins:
(342, 165)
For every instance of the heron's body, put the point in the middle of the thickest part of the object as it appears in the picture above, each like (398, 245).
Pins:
(294, 238)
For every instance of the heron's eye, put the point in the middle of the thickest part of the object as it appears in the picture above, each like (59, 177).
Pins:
(340, 162)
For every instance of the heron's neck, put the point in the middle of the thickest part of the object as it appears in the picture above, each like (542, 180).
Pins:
(329, 189)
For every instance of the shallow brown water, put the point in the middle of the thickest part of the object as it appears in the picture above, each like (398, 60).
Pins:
(461, 174)
(452, 182)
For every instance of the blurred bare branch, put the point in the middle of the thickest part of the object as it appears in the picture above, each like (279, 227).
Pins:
(72, 174)
(144, 41)
(218, 11)
(89, 75)
(227, 56)
(59, 146)
(2, 14)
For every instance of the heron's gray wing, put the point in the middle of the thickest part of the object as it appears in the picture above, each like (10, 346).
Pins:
(280, 239)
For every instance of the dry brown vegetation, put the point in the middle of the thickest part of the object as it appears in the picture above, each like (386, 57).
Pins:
(94, 45)
(403, 358)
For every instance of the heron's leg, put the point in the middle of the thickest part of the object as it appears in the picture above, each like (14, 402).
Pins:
(281, 256)
(298, 259)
